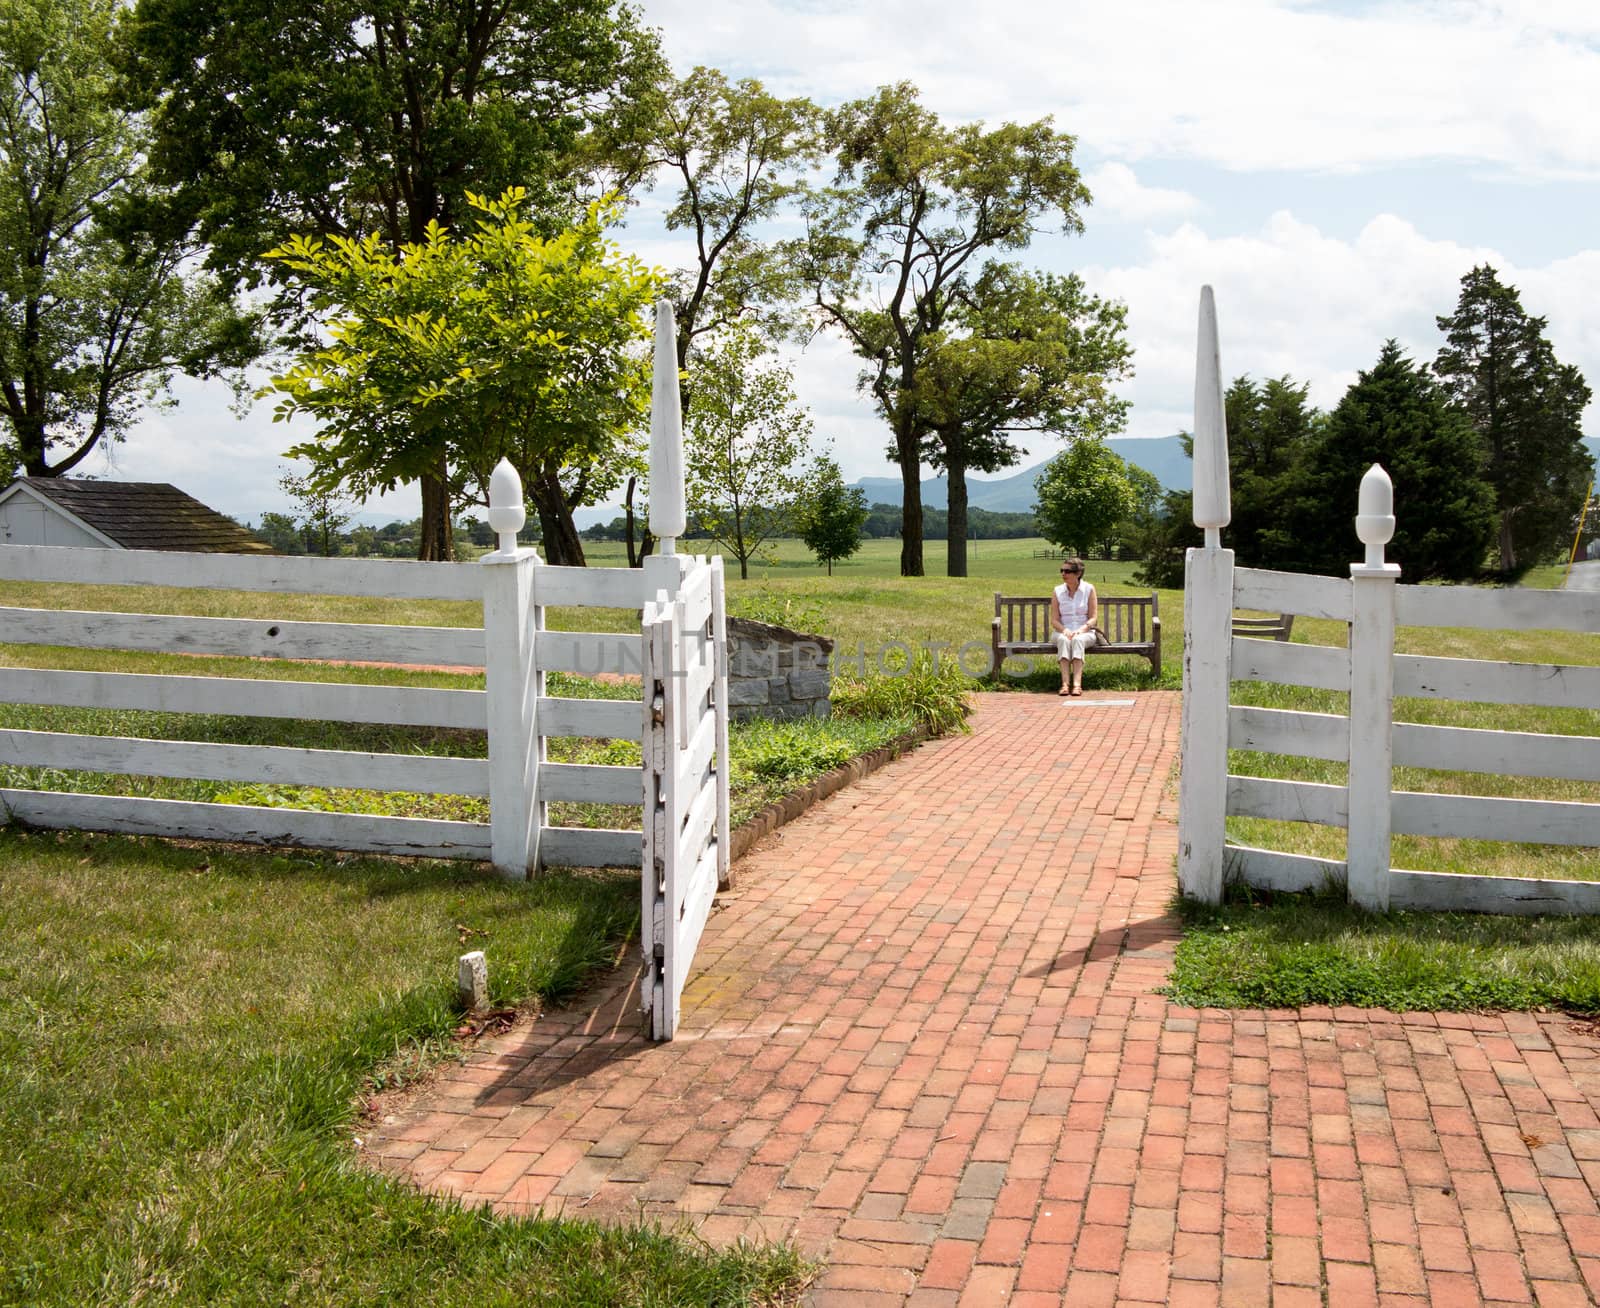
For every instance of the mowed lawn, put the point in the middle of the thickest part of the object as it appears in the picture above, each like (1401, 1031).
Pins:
(186, 1036)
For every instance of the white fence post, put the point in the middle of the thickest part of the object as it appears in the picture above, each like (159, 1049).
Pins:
(1207, 635)
(1371, 781)
(510, 622)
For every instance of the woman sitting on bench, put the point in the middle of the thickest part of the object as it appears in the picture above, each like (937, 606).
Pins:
(1073, 610)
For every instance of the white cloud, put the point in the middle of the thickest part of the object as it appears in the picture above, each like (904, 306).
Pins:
(1118, 193)
(1293, 300)
(1245, 84)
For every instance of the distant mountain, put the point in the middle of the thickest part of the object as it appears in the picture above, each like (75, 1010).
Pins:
(1161, 456)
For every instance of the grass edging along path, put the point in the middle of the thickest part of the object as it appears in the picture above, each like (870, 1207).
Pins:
(1259, 950)
(792, 805)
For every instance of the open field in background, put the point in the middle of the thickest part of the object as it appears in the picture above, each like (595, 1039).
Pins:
(186, 1035)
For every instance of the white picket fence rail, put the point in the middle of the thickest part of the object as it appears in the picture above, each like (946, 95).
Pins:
(1368, 740)
(512, 647)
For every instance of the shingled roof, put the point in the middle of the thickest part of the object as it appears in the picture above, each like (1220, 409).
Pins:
(145, 515)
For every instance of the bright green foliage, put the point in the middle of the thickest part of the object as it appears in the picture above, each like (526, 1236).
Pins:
(831, 514)
(96, 311)
(1527, 410)
(1084, 492)
(888, 246)
(1396, 415)
(466, 349)
(337, 117)
(1019, 351)
(747, 441)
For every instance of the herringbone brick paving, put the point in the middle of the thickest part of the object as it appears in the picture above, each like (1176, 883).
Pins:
(922, 1041)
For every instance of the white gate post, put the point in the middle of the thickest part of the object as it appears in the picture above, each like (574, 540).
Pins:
(1371, 781)
(512, 682)
(719, 692)
(1207, 635)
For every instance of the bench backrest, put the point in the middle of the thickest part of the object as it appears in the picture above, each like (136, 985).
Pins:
(1123, 619)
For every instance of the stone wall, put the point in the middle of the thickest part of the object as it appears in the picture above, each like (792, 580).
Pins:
(774, 672)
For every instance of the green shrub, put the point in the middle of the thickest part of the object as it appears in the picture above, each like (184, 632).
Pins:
(803, 615)
(929, 690)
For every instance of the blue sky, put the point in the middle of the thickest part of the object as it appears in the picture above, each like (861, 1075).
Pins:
(1331, 169)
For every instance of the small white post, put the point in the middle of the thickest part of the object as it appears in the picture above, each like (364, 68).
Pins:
(1207, 635)
(472, 982)
(1371, 782)
(511, 623)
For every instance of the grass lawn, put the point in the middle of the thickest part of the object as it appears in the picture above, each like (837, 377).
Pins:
(1289, 951)
(184, 1034)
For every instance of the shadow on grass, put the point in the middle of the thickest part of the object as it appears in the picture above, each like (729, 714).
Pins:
(1044, 676)
(1264, 950)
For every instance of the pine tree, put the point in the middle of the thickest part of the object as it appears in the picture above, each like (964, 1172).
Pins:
(1397, 415)
(1526, 408)
(1270, 429)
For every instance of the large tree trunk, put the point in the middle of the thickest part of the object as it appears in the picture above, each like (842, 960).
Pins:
(1508, 549)
(647, 542)
(562, 544)
(910, 505)
(437, 542)
(956, 537)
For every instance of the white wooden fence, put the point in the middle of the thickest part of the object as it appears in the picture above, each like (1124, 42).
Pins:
(686, 844)
(1368, 740)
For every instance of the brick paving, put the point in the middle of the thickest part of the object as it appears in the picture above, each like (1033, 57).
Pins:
(922, 1042)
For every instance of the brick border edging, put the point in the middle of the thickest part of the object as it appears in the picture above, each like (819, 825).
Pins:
(791, 806)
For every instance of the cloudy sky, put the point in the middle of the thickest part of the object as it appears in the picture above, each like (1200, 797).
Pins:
(1332, 169)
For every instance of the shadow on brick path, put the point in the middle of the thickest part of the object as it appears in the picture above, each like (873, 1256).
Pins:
(922, 1041)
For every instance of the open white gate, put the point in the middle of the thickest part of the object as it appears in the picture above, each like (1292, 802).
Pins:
(685, 776)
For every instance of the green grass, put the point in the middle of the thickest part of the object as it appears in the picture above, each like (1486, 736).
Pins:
(1260, 950)
(184, 1037)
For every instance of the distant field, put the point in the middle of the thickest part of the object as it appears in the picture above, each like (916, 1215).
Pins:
(867, 602)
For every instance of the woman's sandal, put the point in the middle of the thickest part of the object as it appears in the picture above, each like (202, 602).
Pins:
(1063, 691)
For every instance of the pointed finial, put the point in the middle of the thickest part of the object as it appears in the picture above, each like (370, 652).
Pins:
(668, 517)
(1213, 508)
(506, 510)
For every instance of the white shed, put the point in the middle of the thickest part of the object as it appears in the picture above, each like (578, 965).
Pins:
(118, 515)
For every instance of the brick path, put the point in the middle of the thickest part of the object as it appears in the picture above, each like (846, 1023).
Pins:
(922, 1043)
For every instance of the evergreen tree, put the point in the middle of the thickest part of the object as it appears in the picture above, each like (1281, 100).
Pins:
(1526, 408)
(1397, 415)
(1270, 430)
(832, 515)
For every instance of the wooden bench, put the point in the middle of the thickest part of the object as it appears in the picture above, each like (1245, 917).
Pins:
(1128, 624)
(1277, 628)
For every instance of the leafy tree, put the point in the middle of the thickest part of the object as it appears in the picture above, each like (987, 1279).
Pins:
(1084, 492)
(1397, 415)
(97, 310)
(322, 509)
(889, 247)
(1526, 408)
(745, 443)
(464, 350)
(338, 118)
(1020, 352)
(282, 532)
(1132, 533)
(736, 152)
(831, 516)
